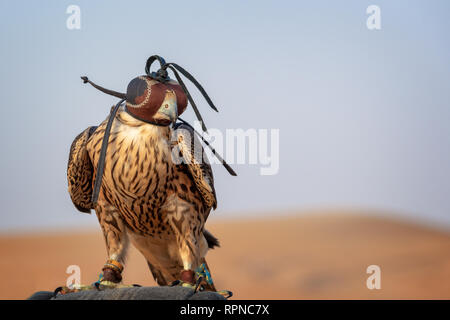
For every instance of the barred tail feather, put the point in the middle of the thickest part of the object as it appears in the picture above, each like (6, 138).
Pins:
(212, 241)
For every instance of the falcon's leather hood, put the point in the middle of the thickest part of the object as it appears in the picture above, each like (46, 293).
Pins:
(146, 93)
(145, 96)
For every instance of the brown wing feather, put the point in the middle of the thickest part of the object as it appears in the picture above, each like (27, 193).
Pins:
(193, 155)
(80, 172)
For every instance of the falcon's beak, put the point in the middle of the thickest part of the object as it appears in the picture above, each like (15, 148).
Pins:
(169, 109)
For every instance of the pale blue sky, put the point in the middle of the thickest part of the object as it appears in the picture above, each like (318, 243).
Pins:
(363, 115)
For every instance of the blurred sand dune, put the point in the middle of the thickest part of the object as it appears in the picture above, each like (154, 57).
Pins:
(320, 256)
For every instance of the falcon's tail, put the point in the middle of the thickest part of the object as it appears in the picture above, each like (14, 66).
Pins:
(212, 241)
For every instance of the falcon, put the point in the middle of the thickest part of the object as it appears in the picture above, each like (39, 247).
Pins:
(155, 186)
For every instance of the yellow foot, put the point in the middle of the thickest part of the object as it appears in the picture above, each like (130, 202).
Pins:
(101, 284)
(225, 293)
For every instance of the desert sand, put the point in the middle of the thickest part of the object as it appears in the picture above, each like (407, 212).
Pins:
(316, 256)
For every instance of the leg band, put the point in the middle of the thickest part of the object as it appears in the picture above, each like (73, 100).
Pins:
(113, 265)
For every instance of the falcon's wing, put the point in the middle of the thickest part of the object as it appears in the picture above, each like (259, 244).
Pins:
(80, 172)
(194, 157)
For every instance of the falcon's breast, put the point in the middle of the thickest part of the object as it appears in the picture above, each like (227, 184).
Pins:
(140, 175)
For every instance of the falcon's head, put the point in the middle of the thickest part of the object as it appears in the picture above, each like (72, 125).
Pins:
(156, 102)
(157, 99)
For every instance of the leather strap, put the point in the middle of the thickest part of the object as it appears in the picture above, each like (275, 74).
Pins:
(161, 75)
(104, 90)
(101, 160)
(114, 265)
(143, 120)
(188, 95)
(218, 156)
(196, 83)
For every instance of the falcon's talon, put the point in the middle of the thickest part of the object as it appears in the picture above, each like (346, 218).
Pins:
(225, 293)
(175, 283)
(188, 285)
(181, 283)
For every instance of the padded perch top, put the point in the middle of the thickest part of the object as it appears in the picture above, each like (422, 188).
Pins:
(136, 293)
